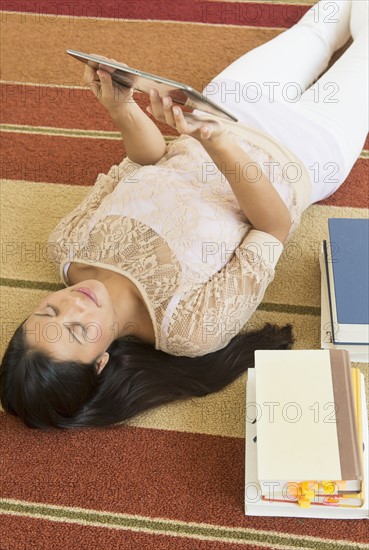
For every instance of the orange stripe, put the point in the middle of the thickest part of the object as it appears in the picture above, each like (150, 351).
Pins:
(201, 50)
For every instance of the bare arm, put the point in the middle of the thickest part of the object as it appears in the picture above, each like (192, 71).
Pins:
(143, 140)
(257, 197)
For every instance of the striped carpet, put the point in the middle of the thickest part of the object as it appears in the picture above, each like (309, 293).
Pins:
(173, 477)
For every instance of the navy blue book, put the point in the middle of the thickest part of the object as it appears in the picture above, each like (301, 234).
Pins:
(347, 270)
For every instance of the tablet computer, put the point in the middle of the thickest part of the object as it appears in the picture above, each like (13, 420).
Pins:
(143, 82)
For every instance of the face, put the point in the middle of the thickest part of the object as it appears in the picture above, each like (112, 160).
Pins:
(71, 326)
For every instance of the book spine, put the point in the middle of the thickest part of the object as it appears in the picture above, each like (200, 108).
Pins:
(357, 383)
(347, 429)
(325, 260)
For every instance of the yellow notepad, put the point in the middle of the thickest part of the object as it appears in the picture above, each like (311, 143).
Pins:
(356, 382)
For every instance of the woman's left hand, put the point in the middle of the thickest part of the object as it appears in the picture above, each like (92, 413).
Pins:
(204, 129)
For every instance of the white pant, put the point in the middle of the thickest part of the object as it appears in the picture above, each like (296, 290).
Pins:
(325, 124)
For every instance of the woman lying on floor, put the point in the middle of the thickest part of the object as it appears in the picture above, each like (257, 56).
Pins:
(157, 293)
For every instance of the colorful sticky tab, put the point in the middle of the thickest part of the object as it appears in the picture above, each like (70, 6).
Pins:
(329, 501)
(329, 487)
(304, 502)
(306, 489)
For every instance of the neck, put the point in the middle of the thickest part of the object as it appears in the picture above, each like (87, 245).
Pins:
(128, 306)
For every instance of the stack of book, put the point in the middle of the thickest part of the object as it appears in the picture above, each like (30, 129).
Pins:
(344, 266)
(306, 436)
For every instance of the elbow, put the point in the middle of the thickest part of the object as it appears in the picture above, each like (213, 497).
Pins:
(285, 227)
(285, 234)
(281, 231)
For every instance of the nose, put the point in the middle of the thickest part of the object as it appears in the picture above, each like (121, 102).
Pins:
(81, 300)
(74, 306)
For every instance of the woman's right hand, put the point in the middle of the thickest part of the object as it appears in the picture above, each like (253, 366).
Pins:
(205, 129)
(114, 97)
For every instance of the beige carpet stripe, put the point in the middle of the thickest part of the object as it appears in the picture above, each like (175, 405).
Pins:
(297, 278)
(41, 84)
(70, 132)
(161, 526)
(220, 413)
(264, 306)
(50, 131)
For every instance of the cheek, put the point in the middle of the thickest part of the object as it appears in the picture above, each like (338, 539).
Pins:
(51, 297)
(103, 328)
(110, 329)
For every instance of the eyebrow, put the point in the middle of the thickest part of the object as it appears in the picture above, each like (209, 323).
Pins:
(48, 315)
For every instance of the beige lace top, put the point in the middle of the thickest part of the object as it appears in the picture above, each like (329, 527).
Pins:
(175, 229)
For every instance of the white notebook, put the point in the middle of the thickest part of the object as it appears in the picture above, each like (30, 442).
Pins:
(304, 425)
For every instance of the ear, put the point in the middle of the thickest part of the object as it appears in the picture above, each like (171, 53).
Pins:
(101, 362)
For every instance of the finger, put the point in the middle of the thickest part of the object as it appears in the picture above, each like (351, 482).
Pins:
(106, 68)
(119, 62)
(96, 88)
(168, 111)
(180, 121)
(89, 74)
(108, 84)
(99, 56)
(156, 107)
(205, 132)
(105, 80)
(95, 66)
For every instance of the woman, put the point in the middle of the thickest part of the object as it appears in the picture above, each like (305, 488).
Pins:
(156, 291)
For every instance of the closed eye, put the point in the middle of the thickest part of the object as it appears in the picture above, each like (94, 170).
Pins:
(56, 311)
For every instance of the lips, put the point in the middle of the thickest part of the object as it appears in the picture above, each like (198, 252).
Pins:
(88, 293)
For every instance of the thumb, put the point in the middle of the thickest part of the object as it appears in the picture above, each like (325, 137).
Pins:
(205, 131)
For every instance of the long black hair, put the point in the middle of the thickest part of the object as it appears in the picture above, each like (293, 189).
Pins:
(46, 393)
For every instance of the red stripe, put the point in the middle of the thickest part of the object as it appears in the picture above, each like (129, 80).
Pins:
(354, 192)
(36, 105)
(197, 11)
(78, 161)
(58, 159)
(182, 476)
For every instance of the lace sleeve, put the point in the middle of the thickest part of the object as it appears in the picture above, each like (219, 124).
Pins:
(209, 317)
(69, 226)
